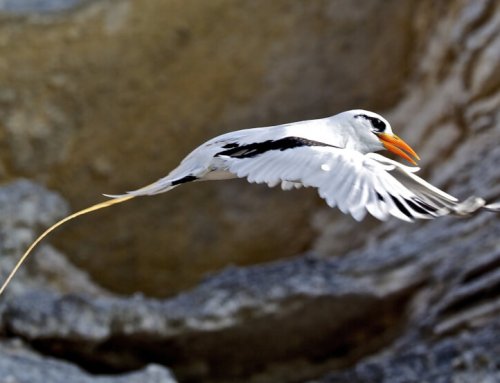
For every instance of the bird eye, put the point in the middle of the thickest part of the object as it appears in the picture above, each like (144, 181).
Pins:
(378, 125)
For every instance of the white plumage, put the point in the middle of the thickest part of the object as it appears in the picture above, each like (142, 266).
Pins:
(334, 155)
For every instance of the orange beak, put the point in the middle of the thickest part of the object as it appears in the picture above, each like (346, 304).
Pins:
(396, 145)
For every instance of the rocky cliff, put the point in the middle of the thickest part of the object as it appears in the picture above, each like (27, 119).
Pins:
(107, 96)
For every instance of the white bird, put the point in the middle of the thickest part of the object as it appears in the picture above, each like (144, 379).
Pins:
(335, 155)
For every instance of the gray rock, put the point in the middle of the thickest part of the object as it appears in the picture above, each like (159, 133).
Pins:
(37, 6)
(394, 302)
(26, 209)
(451, 112)
(323, 312)
(468, 357)
(20, 365)
(276, 313)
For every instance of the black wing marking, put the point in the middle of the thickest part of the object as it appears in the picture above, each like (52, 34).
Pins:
(252, 150)
(183, 180)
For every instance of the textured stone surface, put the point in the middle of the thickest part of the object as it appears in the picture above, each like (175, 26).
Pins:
(273, 314)
(37, 6)
(469, 357)
(25, 209)
(19, 365)
(288, 320)
(452, 124)
(379, 302)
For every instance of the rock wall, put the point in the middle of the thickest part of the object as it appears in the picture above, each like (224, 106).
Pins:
(377, 302)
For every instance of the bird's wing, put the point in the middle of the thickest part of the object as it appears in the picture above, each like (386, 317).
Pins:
(354, 182)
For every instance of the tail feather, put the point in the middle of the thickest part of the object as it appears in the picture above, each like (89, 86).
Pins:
(154, 188)
(161, 186)
(90, 209)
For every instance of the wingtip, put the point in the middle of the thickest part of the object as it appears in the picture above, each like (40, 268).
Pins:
(495, 207)
(469, 206)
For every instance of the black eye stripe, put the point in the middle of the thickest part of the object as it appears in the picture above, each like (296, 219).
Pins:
(378, 124)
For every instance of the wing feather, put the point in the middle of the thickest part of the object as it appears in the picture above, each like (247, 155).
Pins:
(358, 211)
(354, 182)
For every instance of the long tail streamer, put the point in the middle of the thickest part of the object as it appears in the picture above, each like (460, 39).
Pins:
(90, 209)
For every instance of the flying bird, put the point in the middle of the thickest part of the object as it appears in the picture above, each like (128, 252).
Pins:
(336, 155)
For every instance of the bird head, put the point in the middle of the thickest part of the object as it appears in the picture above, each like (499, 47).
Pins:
(376, 132)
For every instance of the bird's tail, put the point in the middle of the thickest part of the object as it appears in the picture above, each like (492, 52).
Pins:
(90, 209)
(161, 186)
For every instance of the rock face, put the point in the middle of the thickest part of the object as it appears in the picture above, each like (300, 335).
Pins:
(37, 6)
(24, 208)
(22, 366)
(388, 303)
(273, 315)
(471, 356)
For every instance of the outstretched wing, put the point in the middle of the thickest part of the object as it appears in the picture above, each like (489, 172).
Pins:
(356, 183)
